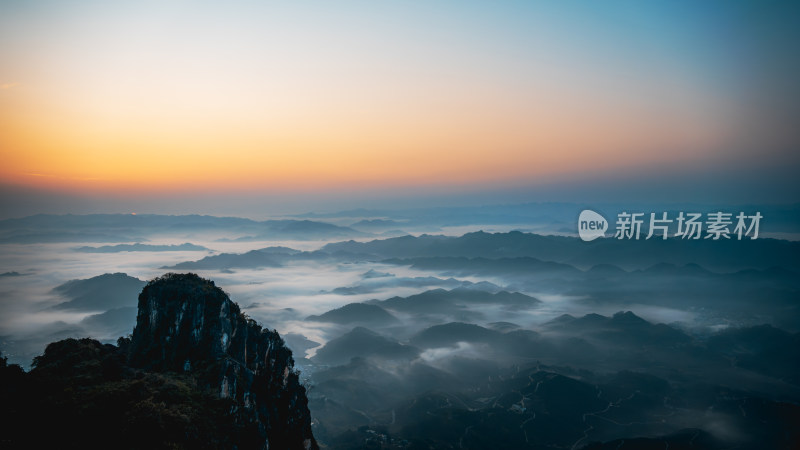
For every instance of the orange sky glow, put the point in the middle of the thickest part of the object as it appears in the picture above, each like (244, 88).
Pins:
(150, 98)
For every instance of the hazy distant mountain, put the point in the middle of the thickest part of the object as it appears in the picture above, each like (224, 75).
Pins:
(299, 230)
(131, 227)
(310, 228)
(142, 248)
(440, 301)
(362, 342)
(251, 259)
(622, 328)
(664, 284)
(452, 333)
(279, 250)
(722, 254)
(375, 225)
(374, 284)
(10, 274)
(266, 257)
(111, 324)
(372, 273)
(552, 216)
(123, 221)
(503, 326)
(678, 285)
(358, 368)
(522, 214)
(508, 267)
(299, 344)
(100, 293)
(356, 313)
(110, 227)
(46, 237)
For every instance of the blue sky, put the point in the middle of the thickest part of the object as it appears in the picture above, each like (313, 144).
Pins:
(150, 100)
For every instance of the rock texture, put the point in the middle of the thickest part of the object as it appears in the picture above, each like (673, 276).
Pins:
(187, 324)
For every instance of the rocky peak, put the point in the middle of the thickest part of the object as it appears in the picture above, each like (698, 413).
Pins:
(187, 324)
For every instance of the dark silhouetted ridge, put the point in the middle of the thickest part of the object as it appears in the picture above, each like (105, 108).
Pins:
(197, 374)
(187, 324)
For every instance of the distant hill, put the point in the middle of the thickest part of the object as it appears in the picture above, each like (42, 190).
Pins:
(185, 247)
(112, 323)
(362, 342)
(375, 224)
(356, 313)
(44, 228)
(371, 284)
(622, 328)
(100, 293)
(725, 255)
(441, 301)
(299, 230)
(251, 259)
(452, 333)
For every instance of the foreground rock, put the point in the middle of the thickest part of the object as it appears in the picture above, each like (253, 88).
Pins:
(197, 373)
(187, 324)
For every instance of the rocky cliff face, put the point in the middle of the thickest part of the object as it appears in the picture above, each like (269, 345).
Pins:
(187, 324)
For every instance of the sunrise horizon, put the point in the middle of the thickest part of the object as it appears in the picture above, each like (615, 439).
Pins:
(156, 100)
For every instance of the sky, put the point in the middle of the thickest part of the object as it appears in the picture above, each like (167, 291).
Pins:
(130, 104)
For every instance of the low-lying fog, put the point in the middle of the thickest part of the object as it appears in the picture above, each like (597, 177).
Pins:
(278, 297)
(390, 332)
